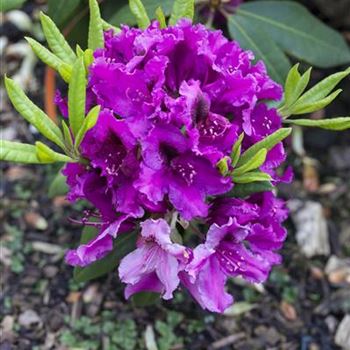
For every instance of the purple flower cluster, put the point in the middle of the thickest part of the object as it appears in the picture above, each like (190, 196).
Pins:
(173, 102)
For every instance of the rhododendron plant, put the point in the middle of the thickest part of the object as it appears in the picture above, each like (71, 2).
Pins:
(168, 131)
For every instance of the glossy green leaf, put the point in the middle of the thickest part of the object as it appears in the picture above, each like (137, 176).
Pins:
(253, 176)
(251, 36)
(95, 38)
(181, 9)
(47, 155)
(77, 96)
(7, 5)
(245, 190)
(337, 124)
(268, 143)
(300, 108)
(323, 88)
(61, 10)
(123, 15)
(236, 150)
(89, 122)
(297, 31)
(123, 245)
(56, 40)
(50, 59)
(33, 114)
(18, 152)
(252, 163)
(160, 17)
(140, 13)
(58, 186)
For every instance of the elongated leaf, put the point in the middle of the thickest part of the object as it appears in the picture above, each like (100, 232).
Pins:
(251, 177)
(58, 186)
(341, 123)
(123, 15)
(89, 122)
(123, 245)
(160, 17)
(47, 155)
(67, 136)
(95, 38)
(245, 190)
(181, 9)
(18, 152)
(253, 163)
(323, 88)
(56, 40)
(33, 114)
(77, 96)
(252, 37)
(50, 59)
(61, 10)
(298, 32)
(140, 13)
(300, 108)
(236, 150)
(268, 143)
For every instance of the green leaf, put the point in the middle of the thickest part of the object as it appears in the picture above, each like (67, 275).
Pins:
(341, 123)
(181, 9)
(123, 245)
(268, 143)
(245, 190)
(7, 5)
(58, 186)
(56, 40)
(33, 114)
(140, 13)
(323, 88)
(252, 163)
(251, 36)
(222, 166)
(298, 32)
(95, 38)
(88, 58)
(295, 85)
(60, 11)
(143, 299)
(47, 155)
(236, 150)
(77, 96)
(50, 59)
(89, 122)
(18, 152)
(299, 108)
(67, 136)
(251, 177)
(160, 17)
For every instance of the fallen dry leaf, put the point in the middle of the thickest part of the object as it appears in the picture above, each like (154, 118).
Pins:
(288, 311)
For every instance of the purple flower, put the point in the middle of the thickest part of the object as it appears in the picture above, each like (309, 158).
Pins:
(229, 250)
(170, 167)
(156, 263)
